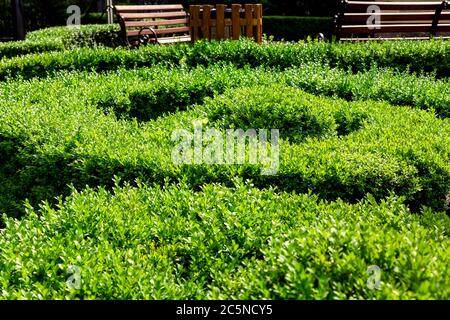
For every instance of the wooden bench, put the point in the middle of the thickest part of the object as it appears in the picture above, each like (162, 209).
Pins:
(157, 24)
(381, 20)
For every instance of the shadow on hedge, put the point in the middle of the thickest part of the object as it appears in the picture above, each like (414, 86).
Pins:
(28, 175)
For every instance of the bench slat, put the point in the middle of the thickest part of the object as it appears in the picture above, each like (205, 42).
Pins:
(156, 15)
(361, 29)
(156, 23)
(361, 6)
(149, 8)
(133, 33)
(384, 39)
(393, 16)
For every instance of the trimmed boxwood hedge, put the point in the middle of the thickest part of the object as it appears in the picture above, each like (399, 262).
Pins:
(67, 132)
(87, 178)
(62, 38)
(220, 243)
(419, 57)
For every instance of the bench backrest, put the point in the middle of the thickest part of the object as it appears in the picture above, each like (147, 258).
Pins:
(155, 21)
(375, 19)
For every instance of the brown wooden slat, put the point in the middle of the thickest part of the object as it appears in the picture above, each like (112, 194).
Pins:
(220, 21)
(443, 27)
(393, 38)
(229, 22)
(206, 19)
(148, 8)
(195, 22)
(236, 20)
(384, 39)
(393, 16)
(259, 22)
(175, 14)
(395, 28)
(132, 33)
(160, 31)
(363, 29)
(361, 6)
(249, 20)
(156, 23)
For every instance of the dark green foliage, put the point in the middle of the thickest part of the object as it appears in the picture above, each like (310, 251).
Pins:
(40, 14)
(323, 8)
(291, 28)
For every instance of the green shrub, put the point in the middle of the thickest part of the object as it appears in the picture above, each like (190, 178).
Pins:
(239, 243)
(63, 133)
(149, 93)
(398, 88)
(350, 163)
(352, 173)
(99, 59)
(85, 36)
(18, 48)
(174, 89)
(417, 57)
(62, 38)
(297, 116)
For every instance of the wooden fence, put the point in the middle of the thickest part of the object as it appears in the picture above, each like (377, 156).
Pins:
(222, 22)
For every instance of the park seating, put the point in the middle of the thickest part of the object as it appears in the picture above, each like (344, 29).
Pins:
(157, 24)
(381, 20)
